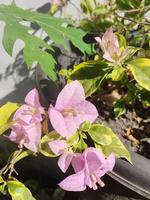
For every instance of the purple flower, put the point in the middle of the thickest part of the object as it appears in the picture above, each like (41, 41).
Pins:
(62, 149)
(71, 110)
(89, 168)
(110, 46)
(26, 130)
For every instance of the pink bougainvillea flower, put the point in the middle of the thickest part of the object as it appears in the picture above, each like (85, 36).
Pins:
(27, 127)
(89, 168)
(62, 149)
(26, 135)
(110, 46)
(71, 110)
(32, 110)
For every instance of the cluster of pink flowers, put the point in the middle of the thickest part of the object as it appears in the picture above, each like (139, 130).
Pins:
(27, 122)
(70, 111)
(110, 46)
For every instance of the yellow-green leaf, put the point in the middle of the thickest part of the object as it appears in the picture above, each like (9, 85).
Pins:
(74, 139)
(91, 85)
(140, 69)
(89, 70)
(116, 146)
(117, 74)
(44, 147)
(2, 184)
(6, 112)
(100, 134)
(18, 191)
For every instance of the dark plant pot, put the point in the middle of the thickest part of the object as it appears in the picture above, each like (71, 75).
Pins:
(135, 178)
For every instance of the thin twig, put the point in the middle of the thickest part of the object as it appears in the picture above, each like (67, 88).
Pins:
(129, 19)
(135, 10)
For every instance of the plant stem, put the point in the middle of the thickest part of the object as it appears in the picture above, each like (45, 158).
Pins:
(129, 19)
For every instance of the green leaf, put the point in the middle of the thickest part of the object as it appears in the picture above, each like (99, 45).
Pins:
(5, 127)
(64, 72)
(86, 126)
(74, 139)
(58, 194)
(6, 112)
(144, 96)
(98, 25)
(18, 191)
(44, 147)
(116, 146)
(127, 5)
(87, 6)
(147, 2)
(101, 9)
(100, 134)
(119, 108)
(90, 85)
(81, 145)
(89, 70)
(140, 69)
(131, 51)
(33, 50)
(118, 73)
(2, 184)
(122, 40)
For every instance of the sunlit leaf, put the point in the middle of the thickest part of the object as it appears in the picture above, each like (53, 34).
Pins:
(6, 112)
(18, 191)
(2, 184)
(89, 69)
(119, 108)
(44, 147)
(100, 134)
(140, 69)
(116, 146)
(118, 73)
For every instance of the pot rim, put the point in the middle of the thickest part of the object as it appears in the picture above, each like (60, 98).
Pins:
(135, 177)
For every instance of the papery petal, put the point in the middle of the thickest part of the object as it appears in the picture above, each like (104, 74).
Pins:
(86, 111)
(78, 163)
(98, 39)
(64, 126)
(17, 134)
(23, 114)
(27, 115)
(108, 165)
(108, 57)
(32, 99)
(110, 162)
(64, 161)
(94, 159)
(58, 146)
(110, 37)
(71, 95)
(74, 182)
(33, 133)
